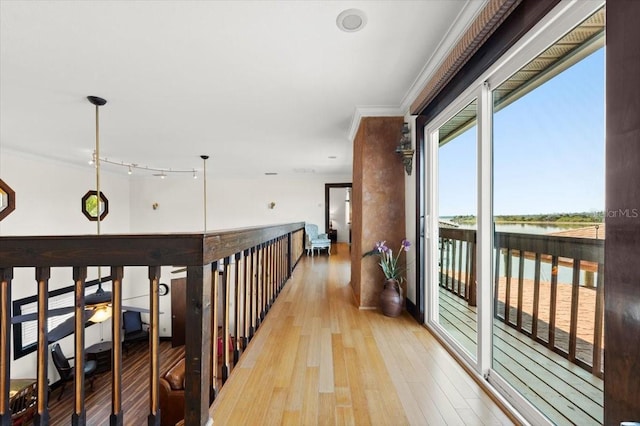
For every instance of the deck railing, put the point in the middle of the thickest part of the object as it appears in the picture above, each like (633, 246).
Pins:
(252, 264)
(549, 288)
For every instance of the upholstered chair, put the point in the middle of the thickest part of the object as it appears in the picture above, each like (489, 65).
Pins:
(314, 240)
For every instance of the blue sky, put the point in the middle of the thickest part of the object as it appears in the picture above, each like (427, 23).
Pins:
(548, 150)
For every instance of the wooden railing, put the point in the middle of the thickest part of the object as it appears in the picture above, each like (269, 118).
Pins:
(564, 314)
(457, 262)
(255, 263)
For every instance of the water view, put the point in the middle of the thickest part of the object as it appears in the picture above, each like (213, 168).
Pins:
(531, 228)
(564, 270)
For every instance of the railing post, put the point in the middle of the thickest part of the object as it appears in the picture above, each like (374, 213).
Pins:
(79, 414)
(6, 275)
(215, 297)
(536, 297)
(521, 261)
(116, 418)
(473, 280)
(507, 286)
(553, 302)
(496, 283)
(198, 340)
(261, 286)
(248, 330)
(455, 286)
(573, 324)
(253, 302)
(289, 259)
(267, 278)
(271, 280)
(238, 311)
(598, 325)
(42, 414)
(154, 346)
(225, 321)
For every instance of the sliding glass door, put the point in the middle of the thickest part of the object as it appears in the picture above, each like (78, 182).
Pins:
(457, 200)
(548, 211)
(515, 222)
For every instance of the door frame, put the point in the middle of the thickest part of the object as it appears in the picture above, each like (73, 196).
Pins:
(327, 190)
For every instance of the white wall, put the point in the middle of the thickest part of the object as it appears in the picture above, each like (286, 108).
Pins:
(49, 193)
(231, 203)
(48, 202)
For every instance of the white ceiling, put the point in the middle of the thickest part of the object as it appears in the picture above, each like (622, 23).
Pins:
(260, 86)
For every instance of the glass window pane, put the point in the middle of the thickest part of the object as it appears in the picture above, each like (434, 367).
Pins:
(548, 204)
(457, 227)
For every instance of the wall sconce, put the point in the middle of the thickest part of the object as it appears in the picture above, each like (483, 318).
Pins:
(271, 205)
(405, 150)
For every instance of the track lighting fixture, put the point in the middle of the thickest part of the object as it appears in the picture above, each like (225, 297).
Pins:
(162, 172)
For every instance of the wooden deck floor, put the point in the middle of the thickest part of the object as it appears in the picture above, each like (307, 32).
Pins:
(564, 392)
(317, 359)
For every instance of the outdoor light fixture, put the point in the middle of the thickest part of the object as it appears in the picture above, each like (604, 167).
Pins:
(405, 150)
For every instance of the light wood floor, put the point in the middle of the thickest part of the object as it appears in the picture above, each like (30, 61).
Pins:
(317, 359)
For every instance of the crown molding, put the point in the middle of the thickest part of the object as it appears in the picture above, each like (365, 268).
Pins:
(459, 26)
(372, 111)
(457, 29)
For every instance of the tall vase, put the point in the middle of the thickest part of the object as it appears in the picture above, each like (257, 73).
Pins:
(391, 299)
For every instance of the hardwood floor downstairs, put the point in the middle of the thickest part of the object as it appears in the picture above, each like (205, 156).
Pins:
(319, 360)
(135, 389)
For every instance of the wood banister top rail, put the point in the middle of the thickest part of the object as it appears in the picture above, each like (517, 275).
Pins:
(588, 249)
(135, 249)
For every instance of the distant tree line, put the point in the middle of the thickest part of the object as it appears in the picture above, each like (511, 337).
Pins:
(584, 217)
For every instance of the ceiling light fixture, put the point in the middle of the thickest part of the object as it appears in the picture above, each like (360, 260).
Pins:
(135, 166)
(351, 20)
(101, 314)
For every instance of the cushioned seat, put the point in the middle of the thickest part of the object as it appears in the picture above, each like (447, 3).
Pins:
(172, 394)
(314, 240)
(66, 372)
(134, 329)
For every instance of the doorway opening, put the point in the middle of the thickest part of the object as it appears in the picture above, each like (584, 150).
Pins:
(337, 215)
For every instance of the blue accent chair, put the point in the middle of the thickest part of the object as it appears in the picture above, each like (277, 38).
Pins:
(314, 240)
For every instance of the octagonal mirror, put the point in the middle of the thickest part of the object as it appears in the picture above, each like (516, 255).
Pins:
(90, 205)
(7, 200)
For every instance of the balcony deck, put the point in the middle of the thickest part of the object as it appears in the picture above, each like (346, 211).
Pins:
(566, 393)
(317, 359)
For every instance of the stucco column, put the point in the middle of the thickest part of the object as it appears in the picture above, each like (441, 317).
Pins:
(378, 211)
